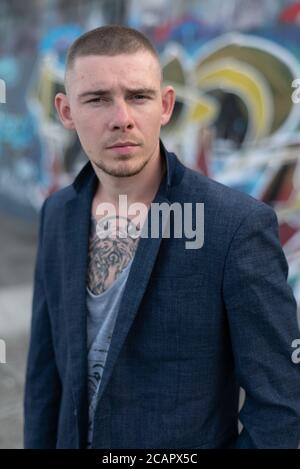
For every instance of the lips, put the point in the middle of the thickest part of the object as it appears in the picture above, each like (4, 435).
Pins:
(123, 149)
(123, 144)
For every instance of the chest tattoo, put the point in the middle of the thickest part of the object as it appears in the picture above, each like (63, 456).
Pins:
(108, 256)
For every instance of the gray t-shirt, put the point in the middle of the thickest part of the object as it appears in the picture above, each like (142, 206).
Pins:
(102, 311)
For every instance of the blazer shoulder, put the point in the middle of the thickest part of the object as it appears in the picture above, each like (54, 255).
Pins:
(218, 196)
(58, 199)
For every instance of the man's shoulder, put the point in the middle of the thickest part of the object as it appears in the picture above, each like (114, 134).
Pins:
(58, 199)
(82, 180)
(195, 187)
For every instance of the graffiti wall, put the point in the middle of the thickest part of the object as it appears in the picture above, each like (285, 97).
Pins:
(234, 65)
(37, 156)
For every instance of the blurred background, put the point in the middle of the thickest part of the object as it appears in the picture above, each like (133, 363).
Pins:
(232, 63)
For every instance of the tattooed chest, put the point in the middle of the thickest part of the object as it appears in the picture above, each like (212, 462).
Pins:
(107, 258)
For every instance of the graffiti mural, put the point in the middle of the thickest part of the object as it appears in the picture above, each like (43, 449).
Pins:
(32, 142)
(235, 73)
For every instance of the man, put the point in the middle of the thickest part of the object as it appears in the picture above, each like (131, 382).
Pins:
(143, 341)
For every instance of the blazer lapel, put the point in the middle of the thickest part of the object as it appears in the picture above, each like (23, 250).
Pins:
(76, 237)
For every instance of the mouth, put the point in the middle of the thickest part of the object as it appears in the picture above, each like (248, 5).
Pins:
(123, 145)
(124, 148)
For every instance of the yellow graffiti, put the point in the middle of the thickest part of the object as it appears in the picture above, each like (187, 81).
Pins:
(234, 76)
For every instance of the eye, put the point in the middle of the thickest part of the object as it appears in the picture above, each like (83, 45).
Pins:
(98, 100)
(139, 97)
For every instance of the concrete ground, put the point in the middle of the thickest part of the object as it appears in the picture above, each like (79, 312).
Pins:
(18, 249)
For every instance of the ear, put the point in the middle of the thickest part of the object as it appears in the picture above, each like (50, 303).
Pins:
(62, 105)
(168, 102)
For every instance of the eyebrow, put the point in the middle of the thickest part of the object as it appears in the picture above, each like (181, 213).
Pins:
(99, 92)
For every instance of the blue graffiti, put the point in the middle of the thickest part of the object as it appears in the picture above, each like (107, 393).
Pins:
(57, 41)
(17, 131)
(10, 70)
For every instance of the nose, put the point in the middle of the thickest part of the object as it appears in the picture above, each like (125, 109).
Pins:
(121, 118)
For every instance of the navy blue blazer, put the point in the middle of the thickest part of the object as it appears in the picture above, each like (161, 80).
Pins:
(193, 326)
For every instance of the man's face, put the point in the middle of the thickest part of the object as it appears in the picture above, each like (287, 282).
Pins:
(117, 107)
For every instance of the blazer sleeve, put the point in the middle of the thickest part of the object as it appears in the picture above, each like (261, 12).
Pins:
(42, 387)
(262, 317)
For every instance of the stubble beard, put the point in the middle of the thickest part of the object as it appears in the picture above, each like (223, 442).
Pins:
(122, 170)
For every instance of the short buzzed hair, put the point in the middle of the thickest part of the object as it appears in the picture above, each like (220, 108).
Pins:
(109, 40)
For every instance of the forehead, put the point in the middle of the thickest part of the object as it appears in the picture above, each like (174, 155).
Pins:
(140, 69)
